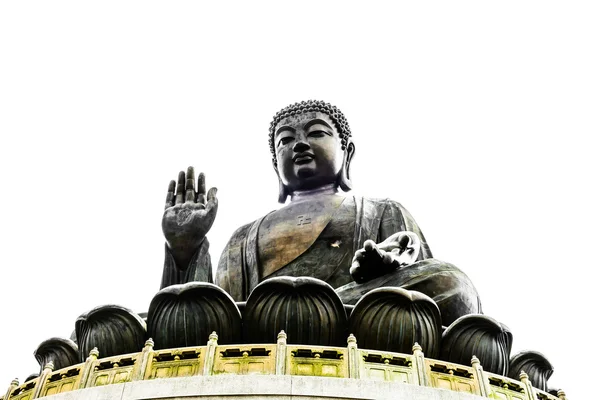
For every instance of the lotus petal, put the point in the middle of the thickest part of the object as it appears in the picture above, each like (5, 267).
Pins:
(393, 319)
(185, 315)
(62, 352)
(112, 329)
(481, 336)
(307, 309)
(535, 365)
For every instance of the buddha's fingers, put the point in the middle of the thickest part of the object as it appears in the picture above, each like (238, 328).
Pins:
(400, 240)
(190, 190)
(372, 248)
(170, 201)
(369, 245)
(355, 272)
(180, 188)
(201, 189)
(359, 255)
(212, 202)
(387, 258)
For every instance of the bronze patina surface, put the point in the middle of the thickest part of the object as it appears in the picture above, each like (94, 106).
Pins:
(324, 265)
(321, 232)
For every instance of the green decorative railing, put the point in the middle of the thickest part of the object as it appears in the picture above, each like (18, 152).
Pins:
(277, 359)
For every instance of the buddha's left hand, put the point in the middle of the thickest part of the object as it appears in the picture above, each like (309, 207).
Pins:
(373, 260)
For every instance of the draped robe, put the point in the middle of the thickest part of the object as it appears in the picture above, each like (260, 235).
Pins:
(357, 220)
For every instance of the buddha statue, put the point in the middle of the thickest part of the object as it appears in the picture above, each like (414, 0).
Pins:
(324, 267)
(355, 244)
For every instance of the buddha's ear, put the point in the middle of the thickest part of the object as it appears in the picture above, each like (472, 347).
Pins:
(283, 191)
(345, 181)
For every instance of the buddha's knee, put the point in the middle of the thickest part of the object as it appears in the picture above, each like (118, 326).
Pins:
(448, 286)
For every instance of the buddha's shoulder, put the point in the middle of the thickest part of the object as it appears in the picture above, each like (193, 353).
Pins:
(241, 233)
(379, 202)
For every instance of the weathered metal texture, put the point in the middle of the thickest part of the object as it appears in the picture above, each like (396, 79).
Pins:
(307, 309)
(535, 365)
(185, 315)
(61, 352)
(481, 336)
(112, 329)
(393, 319)
(451, 289)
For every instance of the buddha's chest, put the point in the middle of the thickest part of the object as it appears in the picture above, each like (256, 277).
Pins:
(287, 234)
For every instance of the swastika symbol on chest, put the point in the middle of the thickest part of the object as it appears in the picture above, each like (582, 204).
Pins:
(303, 220)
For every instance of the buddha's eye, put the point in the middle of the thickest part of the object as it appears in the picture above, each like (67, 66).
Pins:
(285, 140)
(317, 134)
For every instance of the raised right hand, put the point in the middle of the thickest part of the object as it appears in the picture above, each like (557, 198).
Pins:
(188, 216)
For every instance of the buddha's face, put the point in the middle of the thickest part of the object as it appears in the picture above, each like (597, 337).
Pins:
(308, 150)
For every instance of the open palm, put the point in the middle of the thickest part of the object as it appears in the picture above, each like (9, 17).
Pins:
(189, 215)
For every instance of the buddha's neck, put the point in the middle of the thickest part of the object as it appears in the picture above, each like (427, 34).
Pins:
(324, 190)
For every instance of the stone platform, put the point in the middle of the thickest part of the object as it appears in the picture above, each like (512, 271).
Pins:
(261, 387)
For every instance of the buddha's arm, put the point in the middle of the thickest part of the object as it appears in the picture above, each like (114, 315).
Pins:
(189, 215)
(233, 273)
(199, 268)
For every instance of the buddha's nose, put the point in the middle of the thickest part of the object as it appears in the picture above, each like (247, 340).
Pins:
(301, 145)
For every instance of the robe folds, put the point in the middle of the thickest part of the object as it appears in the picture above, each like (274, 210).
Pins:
(376, 219)
(239, 269)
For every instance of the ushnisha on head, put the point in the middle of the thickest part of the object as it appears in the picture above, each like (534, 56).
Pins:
(312, 148)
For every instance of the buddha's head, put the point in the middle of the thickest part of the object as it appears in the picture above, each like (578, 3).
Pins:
(312, 148)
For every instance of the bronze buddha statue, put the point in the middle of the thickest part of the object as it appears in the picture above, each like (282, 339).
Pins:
(320, 232)
(323, 266)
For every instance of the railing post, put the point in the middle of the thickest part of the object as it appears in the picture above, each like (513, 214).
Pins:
(480, 378)
(353, 358)
(48, 368)
(562, 395)
(88, 368)
(141, 364)
(421, 369)
(211, 347)
(281, 353)
(524, 378)
(13, 385)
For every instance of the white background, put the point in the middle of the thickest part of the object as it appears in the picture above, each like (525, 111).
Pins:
(481, 118)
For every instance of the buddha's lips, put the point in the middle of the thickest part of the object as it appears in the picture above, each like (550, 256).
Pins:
(303, 158)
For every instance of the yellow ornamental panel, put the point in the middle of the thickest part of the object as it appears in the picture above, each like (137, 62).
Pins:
(185, 370)
(101, 380)
(377, 374)
(398, 376)
(245, 360)
(503, 388)
(67, 387)
(121, 377)
(180, 362)
(317, 361)
(443, 383)
(24, 391)
(161, 372)
(305, 369)
(458, 378)
(231, 367)
(380, 365)
(62, 381)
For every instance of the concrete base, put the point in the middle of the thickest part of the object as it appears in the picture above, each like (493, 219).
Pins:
(261, 387)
